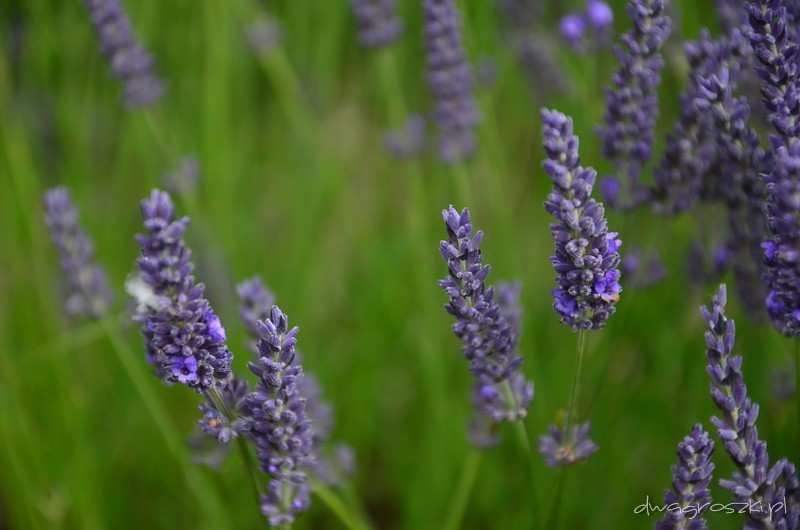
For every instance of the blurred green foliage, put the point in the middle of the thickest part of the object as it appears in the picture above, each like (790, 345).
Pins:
(297, 187)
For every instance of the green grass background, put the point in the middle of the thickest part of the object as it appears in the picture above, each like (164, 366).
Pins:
(297, 187)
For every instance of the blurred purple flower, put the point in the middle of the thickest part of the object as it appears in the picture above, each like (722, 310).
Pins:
(560, 448)
(130, 62)
(409, 141)
(89, 295)
(377, 20)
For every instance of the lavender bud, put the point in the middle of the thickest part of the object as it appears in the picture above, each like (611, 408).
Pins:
(488, 331)
(573, 28)
(690, 481)
(378, 25)
(599, 14)
(184, 338)
(89, 295)
(632, 103)
(586, 256)
(642, 272)
(281, 430)
(560, 448)
(754, 482)
(450, 79)
(130, 62)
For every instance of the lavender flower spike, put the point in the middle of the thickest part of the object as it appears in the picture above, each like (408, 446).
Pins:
(560, 448)
(690, 495)
(256, 303)
(501, 392)
(450, 79)
(632, 104)
(754, 482)
(378, 25)
(586, 257)
(129, 60)
(88, 288)
(280, 430)
(185, 339)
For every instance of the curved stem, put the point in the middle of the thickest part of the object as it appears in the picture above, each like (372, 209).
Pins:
(335, 504)
(465, 483)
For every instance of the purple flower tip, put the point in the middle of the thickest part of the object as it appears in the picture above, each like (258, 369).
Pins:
(572, 27)
(600, 14)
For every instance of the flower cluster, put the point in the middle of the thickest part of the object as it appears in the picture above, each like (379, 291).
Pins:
(632, 103)
(255, 304)
(690, 481)
(586, 257)
(597, 17)
(753, 482)
(184, 338)
(280, 427)
(89, 295)
(501, 392)
(129, 60)
(561, 448)
(378, 24)
(450, 79)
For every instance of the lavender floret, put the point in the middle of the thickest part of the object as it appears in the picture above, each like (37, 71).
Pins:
(754, 482)
(586, 257)
(560, 448)
(130, 62)
(223, 418)
(378, 25)
(690, 481)
(632, 104)
(185, 338)
(501, 392)
(450, 79)
(281, 430)
(89, 295)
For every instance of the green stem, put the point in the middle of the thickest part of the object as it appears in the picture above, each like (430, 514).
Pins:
(197, 483)
(335, 504)
(583, 339)
(465, 483)
(797, 388)
(552, 520)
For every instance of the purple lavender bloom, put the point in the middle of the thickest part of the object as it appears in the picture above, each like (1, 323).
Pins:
(632, 104)
(450, 79)
(688, 168)
(409, 141)
(753, 482)
(573, 28)
(185, 339)
(776, 52)
(690, 480)
(129, 60)
(740, 161)
(280, 429)
(256, 302)
(222, 412)
(539, 61)
(782, 249)
(501, 392)
(586, 256)
(560, 449)
(89, 295)
(599, 14)
(378, 25)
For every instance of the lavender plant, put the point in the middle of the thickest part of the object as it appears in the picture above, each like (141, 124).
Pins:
(632, 104)
(330, 465)
(281, 429)
(754, 483)
(450, 80)
(776, 50)
(690, 497)
(501, 392)
(378, 25)
(89, 295)
(586, 257)
(184, 339)
(130, 62)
